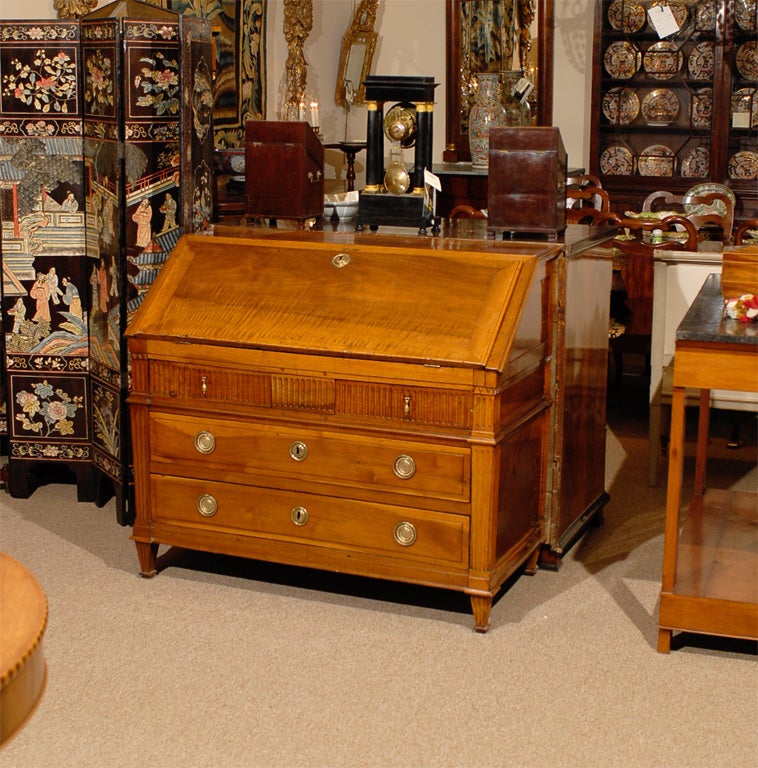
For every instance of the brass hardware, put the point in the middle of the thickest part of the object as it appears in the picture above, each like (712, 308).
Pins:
(405, 533)
(404, 467)
(207, 505)
(203, 385)
(341, 260)
(205, 442)
(407, 406)
(299, 515)
(299, 450)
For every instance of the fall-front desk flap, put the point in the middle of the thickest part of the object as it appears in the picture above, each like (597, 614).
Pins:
(425, 300)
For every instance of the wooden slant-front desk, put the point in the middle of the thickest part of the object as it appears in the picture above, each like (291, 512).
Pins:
(382, 406)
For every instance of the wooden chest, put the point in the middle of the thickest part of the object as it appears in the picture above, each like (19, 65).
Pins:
(376, 409)
(527, 181)
(284, 170)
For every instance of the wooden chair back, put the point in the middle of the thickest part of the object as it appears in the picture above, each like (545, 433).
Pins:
(466, 212)
(638, 243)
(711, 208)
(581, 199)
(745, 232)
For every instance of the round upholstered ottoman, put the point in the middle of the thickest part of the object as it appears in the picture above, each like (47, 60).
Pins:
(23, 670)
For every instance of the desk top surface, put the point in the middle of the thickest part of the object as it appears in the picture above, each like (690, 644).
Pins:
(705, 321)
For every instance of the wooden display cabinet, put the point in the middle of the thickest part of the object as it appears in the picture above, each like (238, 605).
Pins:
(676, 112)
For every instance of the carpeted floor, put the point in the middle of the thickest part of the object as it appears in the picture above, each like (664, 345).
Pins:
(225, 663)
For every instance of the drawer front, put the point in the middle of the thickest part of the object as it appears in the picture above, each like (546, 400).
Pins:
(208, 384)
(311, 519)
(447, 408)
(206, 447)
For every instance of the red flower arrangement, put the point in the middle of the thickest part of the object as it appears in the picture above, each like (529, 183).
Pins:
(744, 308)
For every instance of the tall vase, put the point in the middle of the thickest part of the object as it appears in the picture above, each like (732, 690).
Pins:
(487, 112)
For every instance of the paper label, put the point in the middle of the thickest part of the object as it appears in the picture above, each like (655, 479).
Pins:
(741, 120)
(432, 180)
(662, 20)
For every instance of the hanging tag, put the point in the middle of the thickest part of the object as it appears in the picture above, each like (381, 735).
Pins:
(662, 19)
(522, 89)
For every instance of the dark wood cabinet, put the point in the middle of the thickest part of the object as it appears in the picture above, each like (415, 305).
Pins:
(680, 111)
(284, 170)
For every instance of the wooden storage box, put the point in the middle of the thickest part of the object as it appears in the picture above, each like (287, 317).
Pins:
(527, 181)
(377, 409)
(284, 170)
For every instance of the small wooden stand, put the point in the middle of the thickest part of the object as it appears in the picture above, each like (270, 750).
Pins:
(710, 554)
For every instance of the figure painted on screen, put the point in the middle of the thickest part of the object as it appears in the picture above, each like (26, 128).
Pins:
(71, 298)
(41, 295)
(168, 209)
(143, 217)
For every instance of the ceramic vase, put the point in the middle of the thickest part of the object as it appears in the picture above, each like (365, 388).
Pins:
(487, 112)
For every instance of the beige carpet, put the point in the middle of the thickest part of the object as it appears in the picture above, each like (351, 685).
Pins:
(226, 663)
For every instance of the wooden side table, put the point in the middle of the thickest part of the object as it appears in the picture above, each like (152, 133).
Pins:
(710, 554)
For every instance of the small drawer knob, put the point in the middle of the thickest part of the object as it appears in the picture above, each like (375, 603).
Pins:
(299, 515)
(207, 505)
(205, 442)
(404, 466)
(405, 533)
(299, 450)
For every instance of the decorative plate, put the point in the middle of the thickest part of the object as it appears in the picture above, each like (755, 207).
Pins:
(621, 105)
(700, 61)
(660, 107)
(707, 187)
(656, 160)
(705, 16)
(695, 163)
(680, 12)
(745, 102)
(621, 60)
(617, 161)
(626, 16)
(702, 108)
(747, 60)
(743, 165)
(663, 60)
(745, 13)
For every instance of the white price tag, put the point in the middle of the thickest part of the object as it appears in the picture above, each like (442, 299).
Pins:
(662, 20)
(740, 119)
(522, 89)
(432, 180)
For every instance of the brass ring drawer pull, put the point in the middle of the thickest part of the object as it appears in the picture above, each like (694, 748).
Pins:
(404, 466)
(299, 450)
(341, 260)
(205, 442)
(299, 515)
(405, 533)
(207, 505)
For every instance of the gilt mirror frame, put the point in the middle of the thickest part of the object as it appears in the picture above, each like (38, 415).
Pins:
(456, 133)
(356, 56)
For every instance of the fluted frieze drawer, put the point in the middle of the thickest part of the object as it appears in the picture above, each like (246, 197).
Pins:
(208, 446)
(209, 383)
(311, 519)
(405, 404)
